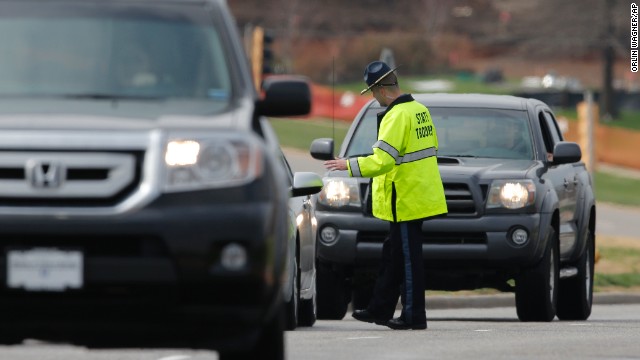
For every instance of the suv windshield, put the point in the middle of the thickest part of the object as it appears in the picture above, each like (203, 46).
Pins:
(463, 132)
(111, 50)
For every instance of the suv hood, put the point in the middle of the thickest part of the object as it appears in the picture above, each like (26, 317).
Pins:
(53, 114)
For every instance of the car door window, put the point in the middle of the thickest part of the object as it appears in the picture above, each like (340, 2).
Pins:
(287, 170)
(547, 137)
(553, 127)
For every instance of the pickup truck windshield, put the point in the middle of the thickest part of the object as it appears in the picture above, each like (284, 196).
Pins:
(463, 132)
(111, 51)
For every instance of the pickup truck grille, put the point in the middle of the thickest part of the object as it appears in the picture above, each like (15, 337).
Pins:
(68, 178)
(459, 199)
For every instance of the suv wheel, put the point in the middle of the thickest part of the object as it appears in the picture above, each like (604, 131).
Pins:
(537, 287)
(270, 345)
(332, 292)
(576, 293)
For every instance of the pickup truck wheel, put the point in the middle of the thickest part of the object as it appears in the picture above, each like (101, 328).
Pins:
(332, 293)
(537, 287)
(576, 293)
(362, 294)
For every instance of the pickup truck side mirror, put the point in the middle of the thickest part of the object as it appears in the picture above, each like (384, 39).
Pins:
(566, 152)
(285, 96)
(322, 149)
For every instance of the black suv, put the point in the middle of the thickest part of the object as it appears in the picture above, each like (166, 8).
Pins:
(141, 185)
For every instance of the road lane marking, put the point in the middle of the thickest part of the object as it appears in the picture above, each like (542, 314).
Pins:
(364, 337)
(176, 357)
(482, 330)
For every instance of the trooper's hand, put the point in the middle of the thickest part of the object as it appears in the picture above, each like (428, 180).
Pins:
(336, 164)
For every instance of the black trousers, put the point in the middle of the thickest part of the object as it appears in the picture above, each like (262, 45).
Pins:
(401, 274)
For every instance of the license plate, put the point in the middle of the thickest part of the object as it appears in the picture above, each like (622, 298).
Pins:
(44, 269)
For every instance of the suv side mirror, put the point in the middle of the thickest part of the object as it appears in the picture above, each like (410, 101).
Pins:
(322, 149)
(285, 96)
(566, 152)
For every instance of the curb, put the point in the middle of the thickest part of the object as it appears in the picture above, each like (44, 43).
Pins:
(508, 300)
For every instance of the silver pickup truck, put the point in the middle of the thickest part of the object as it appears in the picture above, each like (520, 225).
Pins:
(521, 206)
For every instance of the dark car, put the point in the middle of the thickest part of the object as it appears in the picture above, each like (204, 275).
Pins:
(521, 210)
(143, 201)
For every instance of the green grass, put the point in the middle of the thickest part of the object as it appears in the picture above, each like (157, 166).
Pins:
(625, 120)
(617, 189)
(299, 133)
(606, 281)
(460, 84)
(627, 274)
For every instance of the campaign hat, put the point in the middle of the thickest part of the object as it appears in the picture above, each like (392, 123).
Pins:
(375, 72)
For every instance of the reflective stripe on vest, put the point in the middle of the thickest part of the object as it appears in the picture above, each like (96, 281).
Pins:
(418, 155)
(414, 156)
(355, 168)
(388, 149)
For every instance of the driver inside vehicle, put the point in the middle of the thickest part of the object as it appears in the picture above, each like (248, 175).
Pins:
(134, 68)
(506, 138)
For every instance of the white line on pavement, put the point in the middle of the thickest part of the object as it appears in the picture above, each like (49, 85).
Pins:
(175, 357)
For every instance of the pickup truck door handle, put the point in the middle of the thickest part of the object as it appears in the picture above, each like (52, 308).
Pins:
(566, 183)
(575, 181)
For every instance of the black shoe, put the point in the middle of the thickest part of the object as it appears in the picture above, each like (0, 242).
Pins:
(367, 316)
(399, 324)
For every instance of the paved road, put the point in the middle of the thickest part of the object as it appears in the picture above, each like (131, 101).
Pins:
(611, 333)
(496, 334)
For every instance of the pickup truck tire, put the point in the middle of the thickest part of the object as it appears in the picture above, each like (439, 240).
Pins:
(332, 293)
(537, 287)
(576, 293)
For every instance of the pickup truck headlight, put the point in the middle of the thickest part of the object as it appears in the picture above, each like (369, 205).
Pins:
(511, 194)
(338, 192)
(194, 164)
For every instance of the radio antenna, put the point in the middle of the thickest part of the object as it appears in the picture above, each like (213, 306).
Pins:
(333, 98)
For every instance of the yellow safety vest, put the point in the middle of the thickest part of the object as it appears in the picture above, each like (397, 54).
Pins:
(406, 180)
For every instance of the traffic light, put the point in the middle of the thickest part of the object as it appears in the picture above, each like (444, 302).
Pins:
(261, 55)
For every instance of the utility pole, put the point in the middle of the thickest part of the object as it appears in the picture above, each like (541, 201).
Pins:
(608, 104)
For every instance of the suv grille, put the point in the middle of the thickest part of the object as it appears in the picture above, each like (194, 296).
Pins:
(68, 178)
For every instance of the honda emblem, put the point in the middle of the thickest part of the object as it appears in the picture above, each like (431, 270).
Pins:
(45, 174)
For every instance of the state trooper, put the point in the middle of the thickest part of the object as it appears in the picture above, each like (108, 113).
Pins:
(406, 190)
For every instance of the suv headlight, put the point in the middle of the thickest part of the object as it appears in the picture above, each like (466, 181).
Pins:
(194, 163)
(511, 194)
(338, 192)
